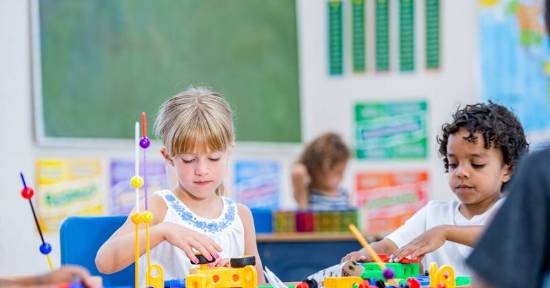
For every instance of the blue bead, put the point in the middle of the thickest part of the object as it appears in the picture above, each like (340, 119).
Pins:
(45, 248)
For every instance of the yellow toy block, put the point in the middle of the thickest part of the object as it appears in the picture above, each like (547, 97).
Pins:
(222, 277)
(342, 282)
(443, 276)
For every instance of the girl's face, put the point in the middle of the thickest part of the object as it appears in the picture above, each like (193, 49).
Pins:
(476, 174)
(200, 174)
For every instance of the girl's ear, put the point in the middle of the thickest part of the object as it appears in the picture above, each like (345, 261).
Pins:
(167, 158)
(506, 173)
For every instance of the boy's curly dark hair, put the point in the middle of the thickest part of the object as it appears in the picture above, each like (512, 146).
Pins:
(498, 125)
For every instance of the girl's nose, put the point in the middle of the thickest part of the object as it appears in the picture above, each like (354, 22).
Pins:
(201, 169)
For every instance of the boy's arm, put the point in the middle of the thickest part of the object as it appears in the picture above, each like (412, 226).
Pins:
(299, 185)
(465, 235)
(250, 247)
(384, 246)
(435, 237)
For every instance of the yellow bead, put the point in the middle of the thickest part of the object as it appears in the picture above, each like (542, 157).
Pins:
(136, 219)
(146, 217)
(137, 182)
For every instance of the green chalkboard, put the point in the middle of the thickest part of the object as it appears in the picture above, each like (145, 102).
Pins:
(102, 62)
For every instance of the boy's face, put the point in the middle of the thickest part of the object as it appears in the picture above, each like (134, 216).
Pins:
(476, 174)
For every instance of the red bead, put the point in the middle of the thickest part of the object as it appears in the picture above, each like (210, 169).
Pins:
(27, 192)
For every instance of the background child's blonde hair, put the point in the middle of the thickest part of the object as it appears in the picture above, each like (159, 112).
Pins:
(197, 120)
(323, 153)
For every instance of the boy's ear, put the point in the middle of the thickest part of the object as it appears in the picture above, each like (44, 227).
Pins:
(506, 173)
(164, 153)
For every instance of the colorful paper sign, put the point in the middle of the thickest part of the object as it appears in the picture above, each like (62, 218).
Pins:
(358, 35)
(391, 130)
(388, 199)
(406, 35)
(335, 37)
(433, 38)
(122, 196)
(256, 183)
(382, 35)
(68, 187)
(515, 60)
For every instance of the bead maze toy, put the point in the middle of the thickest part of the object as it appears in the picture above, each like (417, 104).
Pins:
(45, 248)
(154, 276)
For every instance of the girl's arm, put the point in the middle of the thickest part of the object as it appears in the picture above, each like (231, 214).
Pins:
(250, 247)
(118, 251)
(435, 237)
(299, 185)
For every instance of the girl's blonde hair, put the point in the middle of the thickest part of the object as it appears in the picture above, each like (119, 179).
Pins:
(197, 120)
(323, 154)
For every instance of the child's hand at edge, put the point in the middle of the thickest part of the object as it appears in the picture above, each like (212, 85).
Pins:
(187, 240)
(359, 255)
(427, 242)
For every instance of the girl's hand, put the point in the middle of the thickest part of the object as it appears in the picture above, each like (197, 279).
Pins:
(220, 262)
(189, 240)
(428, 242)
(359, 255)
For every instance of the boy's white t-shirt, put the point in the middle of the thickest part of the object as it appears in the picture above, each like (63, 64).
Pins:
(437, 213)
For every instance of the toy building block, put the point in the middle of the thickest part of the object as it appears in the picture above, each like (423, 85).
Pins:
(401, 271)
(442, 277)
(242, 273)
(342, 282)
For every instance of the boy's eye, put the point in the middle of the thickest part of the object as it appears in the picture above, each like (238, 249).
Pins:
(478, 166)
(452, 165)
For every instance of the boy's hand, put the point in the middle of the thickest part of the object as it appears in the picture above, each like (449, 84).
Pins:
(187, 240)
(429, 241)
(359, 255)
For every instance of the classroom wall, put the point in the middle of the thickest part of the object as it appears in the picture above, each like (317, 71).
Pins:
(326, 105)
(327, 101)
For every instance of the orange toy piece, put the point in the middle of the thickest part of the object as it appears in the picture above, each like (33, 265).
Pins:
(342, 282)
(244, 276)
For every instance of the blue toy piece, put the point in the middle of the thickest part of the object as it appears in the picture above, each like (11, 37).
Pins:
(177, 283)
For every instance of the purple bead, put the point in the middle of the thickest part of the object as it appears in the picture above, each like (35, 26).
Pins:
(144, 142)
(45, 248)
(388, 273)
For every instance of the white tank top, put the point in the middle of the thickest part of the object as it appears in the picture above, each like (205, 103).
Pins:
(227, 230)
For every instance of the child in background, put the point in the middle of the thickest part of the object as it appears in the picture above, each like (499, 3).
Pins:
(480, 149)
(196, 128)
(317, 175)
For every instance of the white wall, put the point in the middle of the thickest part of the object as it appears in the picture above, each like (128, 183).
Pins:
(326, 105)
